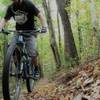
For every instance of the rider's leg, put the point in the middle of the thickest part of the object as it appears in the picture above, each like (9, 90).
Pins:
(16, 57)
(34, 60)
(36, 64)
(12, 45)
(31, 48)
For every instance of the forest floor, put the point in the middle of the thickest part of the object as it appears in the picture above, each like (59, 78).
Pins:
(81, 83)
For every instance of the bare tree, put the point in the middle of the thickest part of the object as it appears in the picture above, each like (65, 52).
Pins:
(94, 23)
(68, 6)
(59, 31)
(79, 28)
(53, 43)
(70, 48)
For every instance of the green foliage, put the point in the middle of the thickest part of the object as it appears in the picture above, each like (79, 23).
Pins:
(37, 1)
(6, 2)
(43, 46)
(89, 48)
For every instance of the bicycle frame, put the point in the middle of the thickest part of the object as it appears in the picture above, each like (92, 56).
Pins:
(23, 71)
(26, 60)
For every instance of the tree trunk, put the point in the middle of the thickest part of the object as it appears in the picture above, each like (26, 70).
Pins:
(59, 32)
(52, 34)
(79, 32)
(94, 24)
(68, 5)
(70, 48)
(79, 28)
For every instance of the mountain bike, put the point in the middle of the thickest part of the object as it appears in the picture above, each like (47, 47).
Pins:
(17, 67)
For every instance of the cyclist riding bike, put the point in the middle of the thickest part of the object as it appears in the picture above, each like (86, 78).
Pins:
(23, 12)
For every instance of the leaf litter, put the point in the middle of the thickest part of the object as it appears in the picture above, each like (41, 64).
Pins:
(81, 83)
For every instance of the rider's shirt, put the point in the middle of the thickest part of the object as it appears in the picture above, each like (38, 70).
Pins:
(23, 14)
(20, 17)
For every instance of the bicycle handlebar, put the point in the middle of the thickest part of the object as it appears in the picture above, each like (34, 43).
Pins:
(22, 32)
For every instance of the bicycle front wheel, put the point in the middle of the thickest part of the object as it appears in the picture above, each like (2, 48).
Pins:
(30, 82)
(11, 80)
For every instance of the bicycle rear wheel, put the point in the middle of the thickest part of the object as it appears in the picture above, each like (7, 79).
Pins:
(11, 80)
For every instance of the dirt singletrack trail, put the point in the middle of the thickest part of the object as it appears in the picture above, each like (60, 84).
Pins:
(80, 84)
(41, 90)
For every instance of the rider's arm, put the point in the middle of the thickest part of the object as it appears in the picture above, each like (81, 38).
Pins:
(33, 9)
(7, 17)
(2, 23)
(42, 19)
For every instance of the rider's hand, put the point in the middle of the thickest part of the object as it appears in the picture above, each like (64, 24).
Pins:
(44, 30)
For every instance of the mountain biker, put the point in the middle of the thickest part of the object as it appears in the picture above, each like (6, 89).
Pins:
(23, 12)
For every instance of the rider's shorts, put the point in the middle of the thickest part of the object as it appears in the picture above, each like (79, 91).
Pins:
(30, 43)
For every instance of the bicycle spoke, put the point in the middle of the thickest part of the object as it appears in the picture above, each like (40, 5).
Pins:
(16, 92)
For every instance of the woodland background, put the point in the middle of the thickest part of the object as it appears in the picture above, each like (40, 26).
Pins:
(73, 36)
